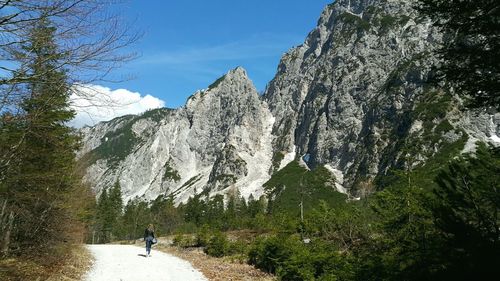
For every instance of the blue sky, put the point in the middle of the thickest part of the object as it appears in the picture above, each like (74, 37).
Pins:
(188, 44)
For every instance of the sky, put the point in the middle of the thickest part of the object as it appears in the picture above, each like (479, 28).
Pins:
(189, 44)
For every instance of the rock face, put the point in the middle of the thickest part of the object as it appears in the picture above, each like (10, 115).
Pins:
(349, 96)
(353, 98)
(332, 93)
(219, 140)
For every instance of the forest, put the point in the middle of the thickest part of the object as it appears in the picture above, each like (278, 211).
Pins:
(433, 221)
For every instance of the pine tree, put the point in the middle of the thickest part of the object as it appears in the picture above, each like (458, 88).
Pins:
(467, 214)
(42, 172)
(115, 210)
(194, 211)
(109, 214)
(171, 218)
(135, 217)
(102, 218)
(471, 51)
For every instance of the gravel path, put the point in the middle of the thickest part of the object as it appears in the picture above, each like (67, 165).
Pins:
(129, 263)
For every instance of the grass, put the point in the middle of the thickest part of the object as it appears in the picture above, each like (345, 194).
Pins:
(68, 267)
(217, 269)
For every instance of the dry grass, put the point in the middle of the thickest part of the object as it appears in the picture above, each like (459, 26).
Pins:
(216, 269)
(70, 267)
(13, 269)
(77, 265)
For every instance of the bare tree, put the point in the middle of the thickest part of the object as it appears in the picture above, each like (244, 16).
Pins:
(6, 220)
(91, 41)
(78, 42)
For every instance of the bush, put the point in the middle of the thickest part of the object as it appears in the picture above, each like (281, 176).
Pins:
(269, 254)
(184, 241)
(217, 246)
(290, 259)
(237, 247)
(203, 236)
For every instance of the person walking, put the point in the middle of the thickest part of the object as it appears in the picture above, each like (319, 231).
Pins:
(149, 236)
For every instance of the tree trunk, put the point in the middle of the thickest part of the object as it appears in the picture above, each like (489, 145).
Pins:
(4, 206)
(6, 236)
(3, 224)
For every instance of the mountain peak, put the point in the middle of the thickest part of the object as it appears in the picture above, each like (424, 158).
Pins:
(237, 75)
(238, 71)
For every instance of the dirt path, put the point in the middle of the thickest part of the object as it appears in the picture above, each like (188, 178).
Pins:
(129, 263)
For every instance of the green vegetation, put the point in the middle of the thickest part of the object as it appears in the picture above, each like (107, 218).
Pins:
(225, 178)
(290, 259)
(157, 114)
(117, 145)
(436, 220)
(353, 20)
(217, 246)
(471, 55)
(387, 22)
(404, 19)
(37, 178)
(216, 82)
(400, 72)
(107, 224)
(171, 173)
(403, 232)
(43, 205)
(292, 183)
(187, 184)
(277, 158)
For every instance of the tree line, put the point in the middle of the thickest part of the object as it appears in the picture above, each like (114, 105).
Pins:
(113, 220)
(443, 229)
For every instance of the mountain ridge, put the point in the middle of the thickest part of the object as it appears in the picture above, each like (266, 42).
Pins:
(353, 98)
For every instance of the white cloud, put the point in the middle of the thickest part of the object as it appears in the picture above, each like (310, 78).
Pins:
(94, 103)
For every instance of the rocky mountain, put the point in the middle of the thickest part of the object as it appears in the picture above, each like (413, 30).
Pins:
(220, 139)
(353, 98)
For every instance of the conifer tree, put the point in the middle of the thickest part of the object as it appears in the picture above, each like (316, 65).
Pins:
(471, 49)
(102, 219)
(135, 217)
(467, 214)
(115, 209)
(171, 217)
(43, 170)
